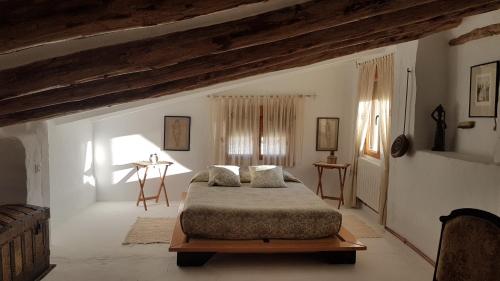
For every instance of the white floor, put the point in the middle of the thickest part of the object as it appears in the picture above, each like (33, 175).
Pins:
(88, 247)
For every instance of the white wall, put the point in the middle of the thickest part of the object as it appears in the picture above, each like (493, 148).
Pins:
(72, 184)
(34, 138)
(428, 185)
(443, 77)
(482, 139)
(431, 70)
(123, 138)
(425, 185)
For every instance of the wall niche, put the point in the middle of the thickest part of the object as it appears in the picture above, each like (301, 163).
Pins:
(13, 188)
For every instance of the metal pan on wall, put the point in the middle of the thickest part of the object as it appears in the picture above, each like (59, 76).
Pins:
(401, 144)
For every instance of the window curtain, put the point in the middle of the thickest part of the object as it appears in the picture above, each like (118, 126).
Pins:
(383, 68)
(366, 83)
(281, 129)
(235, 123)
(240, 137)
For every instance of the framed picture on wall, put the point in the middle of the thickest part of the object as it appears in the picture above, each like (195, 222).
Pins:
(327, 134)
(176, 133)
(483, 97)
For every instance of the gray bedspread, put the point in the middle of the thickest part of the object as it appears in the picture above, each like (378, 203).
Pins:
(221, 212)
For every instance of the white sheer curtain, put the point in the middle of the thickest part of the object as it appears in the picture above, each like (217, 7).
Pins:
(385, 67)
(235, 123)
(282, 121)
(366, 82)
(250, 130)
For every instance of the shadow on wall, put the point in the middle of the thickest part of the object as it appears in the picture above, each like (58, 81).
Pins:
(12, 172)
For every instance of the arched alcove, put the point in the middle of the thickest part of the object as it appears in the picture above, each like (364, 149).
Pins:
(12, 172)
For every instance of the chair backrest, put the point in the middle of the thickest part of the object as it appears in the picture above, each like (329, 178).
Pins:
(469, 248)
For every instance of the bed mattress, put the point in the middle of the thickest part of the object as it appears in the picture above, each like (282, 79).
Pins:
(220, 212)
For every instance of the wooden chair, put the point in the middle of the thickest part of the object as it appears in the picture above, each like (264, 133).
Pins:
(469, 248)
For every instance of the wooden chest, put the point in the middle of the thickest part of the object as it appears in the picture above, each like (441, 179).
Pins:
(24, 242)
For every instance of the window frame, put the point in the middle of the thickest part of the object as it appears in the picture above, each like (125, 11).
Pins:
(373, 119)
(259, 138)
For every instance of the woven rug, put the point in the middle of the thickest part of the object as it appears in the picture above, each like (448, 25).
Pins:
(359, 228)
(150, 231)
(159, 230)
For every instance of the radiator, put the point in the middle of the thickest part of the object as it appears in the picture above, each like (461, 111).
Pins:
(368, 178)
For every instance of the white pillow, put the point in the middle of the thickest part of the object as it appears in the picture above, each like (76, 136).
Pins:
(224, 175)
(266, 176)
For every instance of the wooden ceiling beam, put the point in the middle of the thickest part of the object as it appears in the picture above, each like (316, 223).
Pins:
(333, 38)
(26, 23)
(212, 78)
(173, 48)
(302, 45)
(478, 33)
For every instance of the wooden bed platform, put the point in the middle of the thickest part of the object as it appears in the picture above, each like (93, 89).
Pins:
(338, 249)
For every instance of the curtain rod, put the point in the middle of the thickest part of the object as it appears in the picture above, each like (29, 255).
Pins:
(248, 96)
(358, 63)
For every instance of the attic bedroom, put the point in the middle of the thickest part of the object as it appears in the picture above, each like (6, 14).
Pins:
(249, 139)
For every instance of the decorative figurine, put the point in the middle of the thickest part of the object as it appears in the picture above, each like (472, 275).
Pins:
(153, 158)
(439, 115)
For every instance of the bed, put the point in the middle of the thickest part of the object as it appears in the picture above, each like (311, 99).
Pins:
(239, 213)
(221, 219)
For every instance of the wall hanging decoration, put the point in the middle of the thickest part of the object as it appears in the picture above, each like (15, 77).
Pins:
(483, 95)
(176, 133)
(439, 115)
(327, 136)
(401, 144)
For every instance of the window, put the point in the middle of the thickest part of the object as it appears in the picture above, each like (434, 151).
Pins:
(256, 130)
(372, 141)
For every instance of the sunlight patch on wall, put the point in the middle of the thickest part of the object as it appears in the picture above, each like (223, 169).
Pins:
(89, 180)
(88, 157)
(128, 149)
(88, 173)
(120, 175)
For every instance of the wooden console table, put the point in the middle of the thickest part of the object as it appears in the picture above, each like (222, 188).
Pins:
(342, 168)
(146, 165)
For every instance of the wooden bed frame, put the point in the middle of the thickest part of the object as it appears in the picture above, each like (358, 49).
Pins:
(338, 249)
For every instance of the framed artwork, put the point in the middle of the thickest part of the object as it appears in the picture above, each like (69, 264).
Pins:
(327, 134)
(176, 133)
(483, 97)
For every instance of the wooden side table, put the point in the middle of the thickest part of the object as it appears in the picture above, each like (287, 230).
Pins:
(342, 168)
(146, 165)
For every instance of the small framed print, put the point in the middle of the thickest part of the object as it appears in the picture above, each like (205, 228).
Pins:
(327, 134)
(176, 133)
(483, 97)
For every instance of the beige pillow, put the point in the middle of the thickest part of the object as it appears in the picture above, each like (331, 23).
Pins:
(287, 176)
(224, 175)
(245, 175)
(266, 176)
(201, 176)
